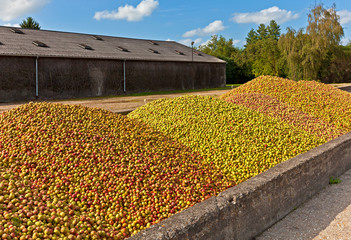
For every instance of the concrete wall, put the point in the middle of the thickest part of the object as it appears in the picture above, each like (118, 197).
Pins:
(246, 210)
(74, 78)
(346, 88)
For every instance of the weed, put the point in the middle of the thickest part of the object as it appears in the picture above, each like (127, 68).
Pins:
(333, 180)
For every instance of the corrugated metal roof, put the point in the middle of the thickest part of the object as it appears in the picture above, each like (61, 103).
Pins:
(69, 45)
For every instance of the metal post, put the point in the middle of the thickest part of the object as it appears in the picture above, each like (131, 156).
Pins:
(36, 78)
(192, 51)
(124, 76)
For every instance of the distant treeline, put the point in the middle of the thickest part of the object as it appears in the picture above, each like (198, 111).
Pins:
(314, 53)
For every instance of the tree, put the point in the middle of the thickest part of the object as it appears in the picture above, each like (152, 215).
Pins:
(262, 50)
(309, 54)
(218, 47)
(273, 30)
(30, 23)
(252, 37)
(262, 32)
(290, 45)
(339, 69)
(236, 69)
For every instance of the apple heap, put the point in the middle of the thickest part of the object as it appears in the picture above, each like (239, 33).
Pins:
(72, 172)
(273, 107)
(319, 100)
(240, 141)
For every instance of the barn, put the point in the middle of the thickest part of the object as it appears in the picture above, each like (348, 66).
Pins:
(41, 64)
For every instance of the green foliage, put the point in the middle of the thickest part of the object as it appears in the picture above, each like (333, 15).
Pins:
(339, 66)
(262, 50)
(30, 23)
(309, 53)
(313, 53)
(333, 180)
(219, 47)
(252, 37)
(237, 71)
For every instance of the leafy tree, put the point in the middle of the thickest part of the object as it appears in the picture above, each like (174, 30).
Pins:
(339, 68)
(291, 44)
(309, 54)
(236, 70)
(218, 46)
(262, 32)
(262, 50)
(325, 34)
(30, 23)
(273, 30)
(252, 37)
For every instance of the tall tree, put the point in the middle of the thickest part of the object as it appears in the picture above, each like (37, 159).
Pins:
(252, 37)
(218, 46)
(262, 32)
(325, 34)
(30, 23)
(309, 54)
(324, 27)
(291, 44)
(273, 30)
(224, 49)
(262, 50)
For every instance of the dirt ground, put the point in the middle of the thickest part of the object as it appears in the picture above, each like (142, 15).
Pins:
(120, 104)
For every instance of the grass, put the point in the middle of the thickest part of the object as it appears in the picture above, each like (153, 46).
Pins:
(333, 180)
(233, 85)
(227, 87)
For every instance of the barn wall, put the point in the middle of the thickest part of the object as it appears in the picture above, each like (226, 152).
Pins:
(155, 76)
(17, 79)
(75, 78)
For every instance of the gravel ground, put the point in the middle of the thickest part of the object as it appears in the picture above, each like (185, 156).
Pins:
(326, 216)
(121, 104)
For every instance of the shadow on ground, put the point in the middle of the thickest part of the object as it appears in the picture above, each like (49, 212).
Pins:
(326, 216)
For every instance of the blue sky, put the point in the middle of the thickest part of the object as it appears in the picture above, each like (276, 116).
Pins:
(178, 20)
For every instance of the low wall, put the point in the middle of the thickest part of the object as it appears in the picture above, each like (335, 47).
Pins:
(246, 210)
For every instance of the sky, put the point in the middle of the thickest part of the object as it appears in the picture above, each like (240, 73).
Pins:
(183, 21)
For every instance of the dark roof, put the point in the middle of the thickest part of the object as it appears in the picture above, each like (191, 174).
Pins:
(76, 45)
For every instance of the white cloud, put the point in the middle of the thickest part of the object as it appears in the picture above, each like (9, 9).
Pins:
(12, 9)
(188, 41)
(265, 16)
(345, 41)
(130, 13)
(210, 29)
(345, 16)
(12, 25)
(236, 41)
(200, 41)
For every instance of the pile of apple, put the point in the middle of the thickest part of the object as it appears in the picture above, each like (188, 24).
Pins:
(240, 141)
(70, 172)
(319, 100)
(271, 106)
